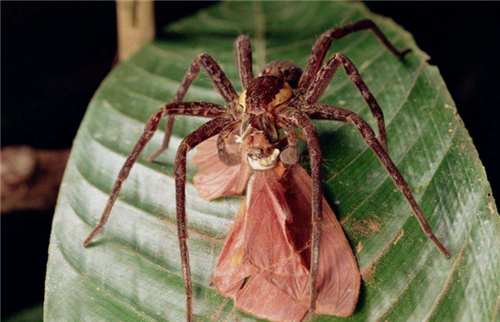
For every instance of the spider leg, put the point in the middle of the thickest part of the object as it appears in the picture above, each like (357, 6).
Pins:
(190, 109)
(226, 157)
(325, 75)
(219, 81)
(244, 53)
(307, 127)
(323, 43)
(166, 139)
(203, 133)
(290, 155)
(327, 112)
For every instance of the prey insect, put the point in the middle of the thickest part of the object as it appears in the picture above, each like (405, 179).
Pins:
(272, 264)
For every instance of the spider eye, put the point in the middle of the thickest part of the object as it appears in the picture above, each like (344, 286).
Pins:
(243, 97)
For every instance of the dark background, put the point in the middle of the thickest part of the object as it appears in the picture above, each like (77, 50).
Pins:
(55, 55)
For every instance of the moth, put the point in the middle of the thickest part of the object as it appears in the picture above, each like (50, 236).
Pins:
(286, 255)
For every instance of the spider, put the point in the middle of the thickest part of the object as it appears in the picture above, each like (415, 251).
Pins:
(282, 96)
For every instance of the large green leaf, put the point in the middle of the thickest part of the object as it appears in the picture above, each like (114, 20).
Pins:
(132, 271)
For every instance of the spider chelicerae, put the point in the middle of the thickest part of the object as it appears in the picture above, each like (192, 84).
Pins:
(282, 96)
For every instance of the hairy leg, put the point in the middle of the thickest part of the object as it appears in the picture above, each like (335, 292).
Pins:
(203, 133)
(290, 154)
(230, 159)
(244, 53)
(323, 43)
(303, 122)
(327, 112)
(325, 75)
(190, 109)
(219, 80)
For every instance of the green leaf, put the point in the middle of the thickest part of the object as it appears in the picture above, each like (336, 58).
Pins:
(132, 271)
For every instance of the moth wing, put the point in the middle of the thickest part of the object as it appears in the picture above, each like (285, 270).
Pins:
(237, 278)
(264, 300)
(233, 266)
(269, 244)
(215, 179)
(338, 279)
(269, 247)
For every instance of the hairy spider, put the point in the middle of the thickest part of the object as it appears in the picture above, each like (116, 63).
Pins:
(282, 96)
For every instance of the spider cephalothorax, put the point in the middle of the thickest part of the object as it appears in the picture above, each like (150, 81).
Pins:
(264, 97)
(281, 97)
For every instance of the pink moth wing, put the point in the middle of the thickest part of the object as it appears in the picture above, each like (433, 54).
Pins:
(215, 179)
(264, 265)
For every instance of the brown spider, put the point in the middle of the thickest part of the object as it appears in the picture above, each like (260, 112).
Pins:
(282, 96)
